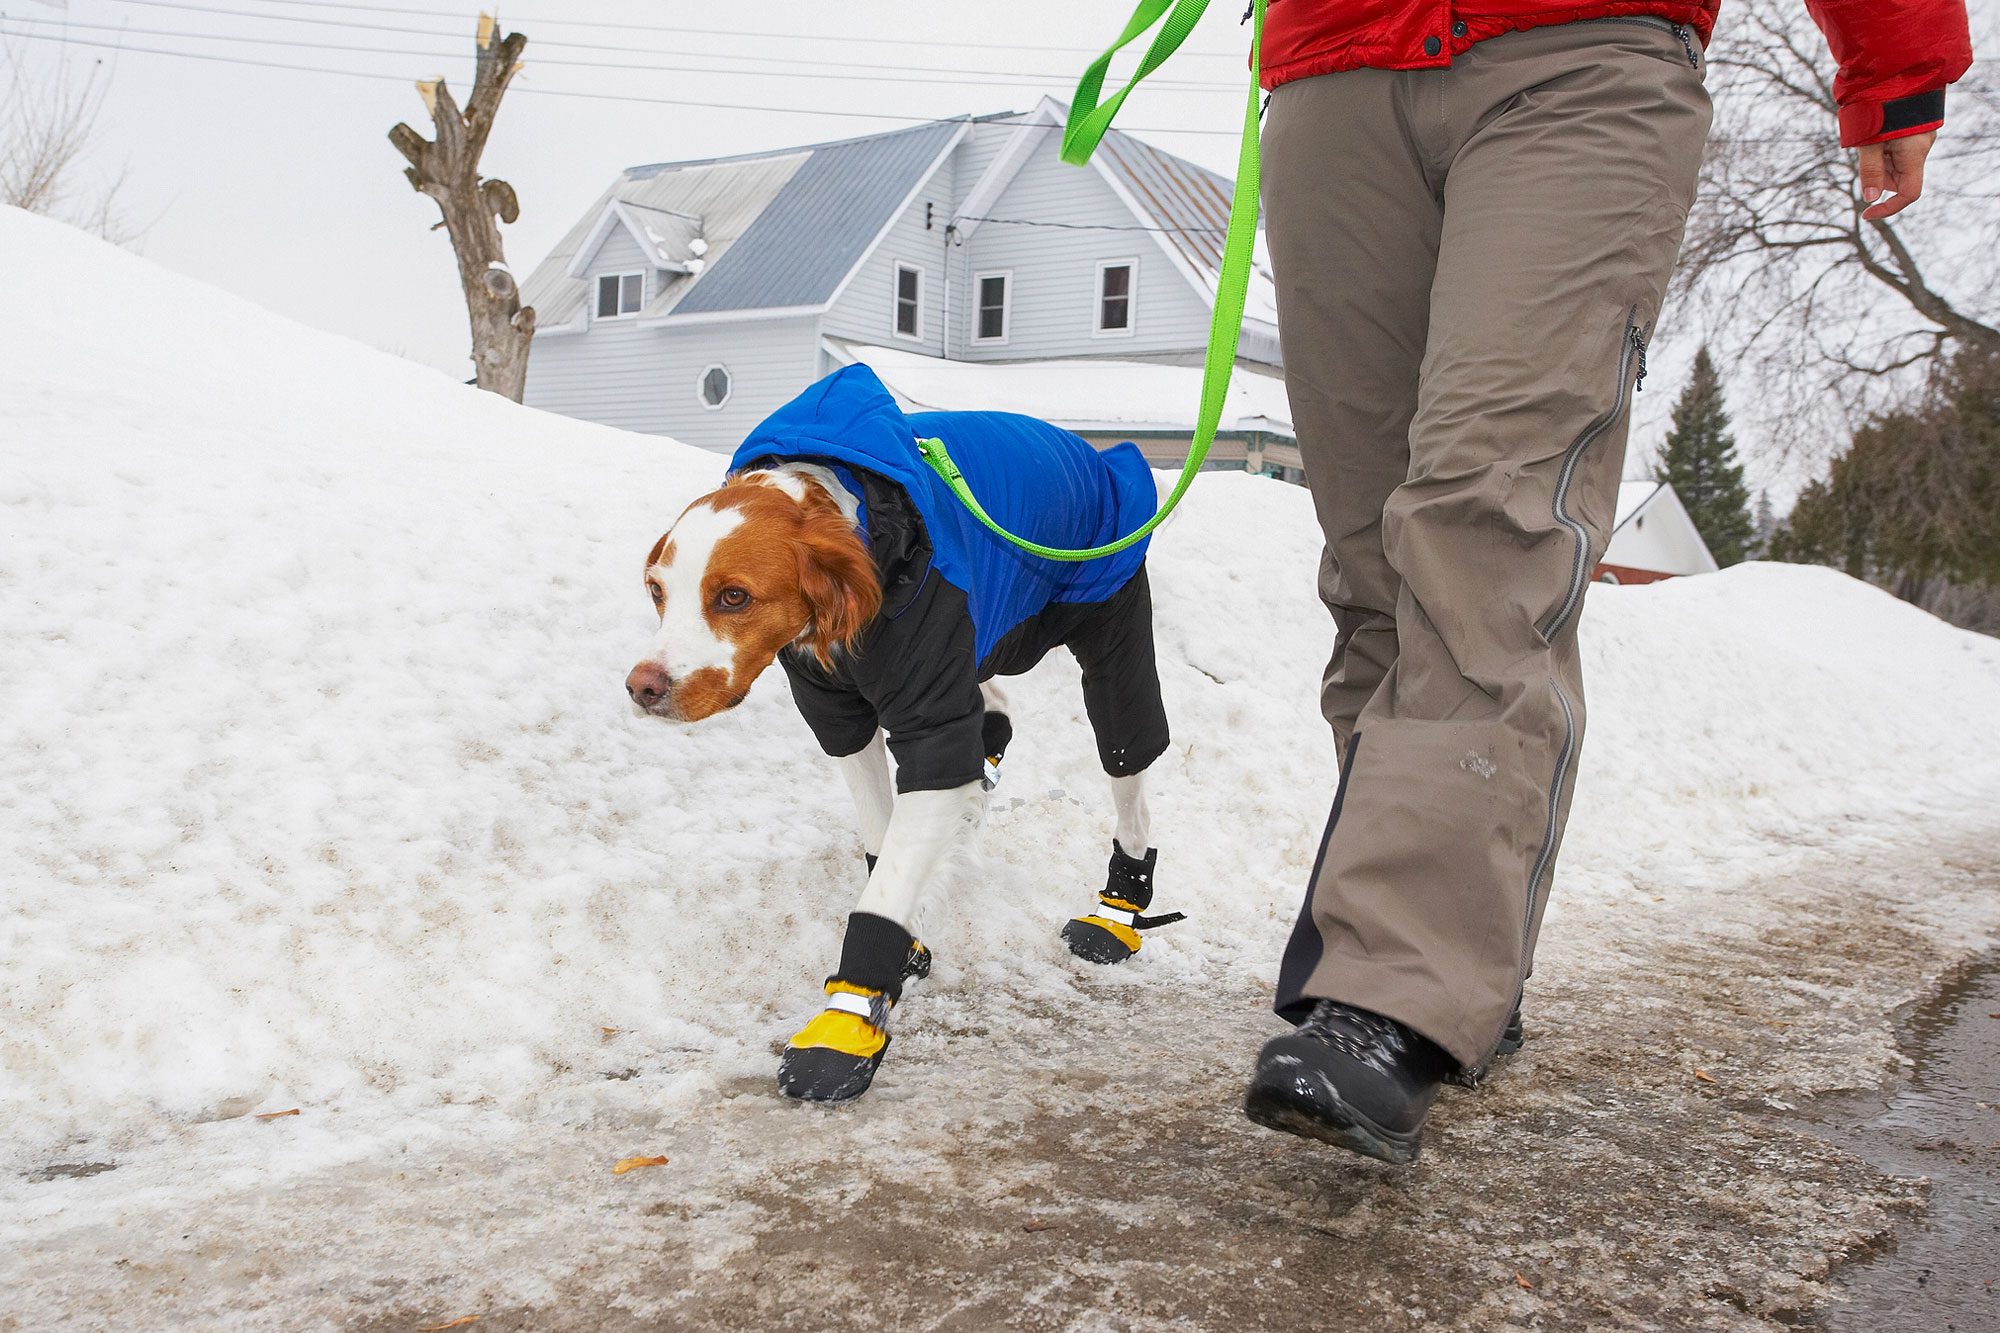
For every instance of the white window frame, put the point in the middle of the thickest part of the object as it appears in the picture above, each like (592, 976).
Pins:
(1006, 306)
(596, 294)
(896, 300)
(1097, 329)
(702, 376)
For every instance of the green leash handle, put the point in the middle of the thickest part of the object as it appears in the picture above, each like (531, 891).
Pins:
(1088, 120)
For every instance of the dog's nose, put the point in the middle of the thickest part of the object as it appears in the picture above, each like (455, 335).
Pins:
(648, 684)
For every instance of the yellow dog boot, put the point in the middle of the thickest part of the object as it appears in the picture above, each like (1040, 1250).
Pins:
(834, 1057)
(1109, 933)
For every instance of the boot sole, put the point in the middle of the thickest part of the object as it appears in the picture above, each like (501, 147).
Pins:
(821, 1074)
(1094, 944)
(1321, 1114)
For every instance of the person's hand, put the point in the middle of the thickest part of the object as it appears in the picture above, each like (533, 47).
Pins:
(1896, 166)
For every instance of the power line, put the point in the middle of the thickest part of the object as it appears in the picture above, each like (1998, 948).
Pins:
(951, 76)
(1087, 226)
(549, 63)
(726, 32)
(213, 58)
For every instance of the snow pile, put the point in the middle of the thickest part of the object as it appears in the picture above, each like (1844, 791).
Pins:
(322, 789)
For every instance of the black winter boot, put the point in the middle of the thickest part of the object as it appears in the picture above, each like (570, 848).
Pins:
(1351, 1078)
(1109, 933)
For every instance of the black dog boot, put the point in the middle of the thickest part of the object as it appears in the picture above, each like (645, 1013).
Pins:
(834, 1057)
(1512, 1038)
(1110, 932)
(995, 734)
(1350, 1078)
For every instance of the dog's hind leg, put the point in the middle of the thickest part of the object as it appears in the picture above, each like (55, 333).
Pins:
(1134, 832)
(996, 729)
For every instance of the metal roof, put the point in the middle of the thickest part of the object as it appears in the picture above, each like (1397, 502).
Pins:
(1189, 203)
(727, 195)
(783, 228)
(803, 246)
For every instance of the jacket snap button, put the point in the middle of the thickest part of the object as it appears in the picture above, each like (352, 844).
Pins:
(1432, 46)
(1458, 28)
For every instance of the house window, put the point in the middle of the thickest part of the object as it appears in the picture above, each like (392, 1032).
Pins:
(714, 386)
(1114, 295)
(620, 294)
(909, 301)
(992, 312)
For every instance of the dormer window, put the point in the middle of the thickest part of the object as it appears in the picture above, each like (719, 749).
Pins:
(909, 314)
(620, 294)
(1114, 297)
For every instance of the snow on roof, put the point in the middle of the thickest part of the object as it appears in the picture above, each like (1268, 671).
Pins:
(1632, 497)
(1076, 394)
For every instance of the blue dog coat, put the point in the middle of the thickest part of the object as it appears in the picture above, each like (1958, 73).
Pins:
(959, 604)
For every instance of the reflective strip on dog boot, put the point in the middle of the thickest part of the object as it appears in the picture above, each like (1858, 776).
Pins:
(833, 1058)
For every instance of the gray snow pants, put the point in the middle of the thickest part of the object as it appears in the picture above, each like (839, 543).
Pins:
(1469, 262)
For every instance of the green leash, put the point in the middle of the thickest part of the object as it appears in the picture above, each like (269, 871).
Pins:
(1088, 120)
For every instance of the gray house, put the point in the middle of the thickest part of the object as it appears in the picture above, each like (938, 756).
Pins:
(961, 259)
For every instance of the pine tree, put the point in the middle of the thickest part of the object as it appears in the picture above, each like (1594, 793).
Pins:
(1699, 462)
(1763, 522)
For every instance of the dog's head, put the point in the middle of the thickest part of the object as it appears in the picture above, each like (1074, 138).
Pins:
(767, 560)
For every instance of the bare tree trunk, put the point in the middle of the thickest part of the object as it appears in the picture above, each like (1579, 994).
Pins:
(447, 169)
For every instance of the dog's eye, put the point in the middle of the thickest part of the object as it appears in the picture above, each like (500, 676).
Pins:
(732, 599)
(659, 597)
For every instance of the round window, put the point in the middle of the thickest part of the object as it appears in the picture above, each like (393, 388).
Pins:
(714, 386)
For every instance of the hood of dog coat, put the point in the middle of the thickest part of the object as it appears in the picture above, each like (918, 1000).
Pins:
(1037, 480)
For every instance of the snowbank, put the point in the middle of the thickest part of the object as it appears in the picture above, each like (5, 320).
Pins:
(322, 788)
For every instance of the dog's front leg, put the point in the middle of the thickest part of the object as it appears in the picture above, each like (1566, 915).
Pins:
(866, 773)
(834, 1057)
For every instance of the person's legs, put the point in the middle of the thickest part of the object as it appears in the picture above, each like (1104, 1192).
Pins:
(1571, 157)
(1352, 213)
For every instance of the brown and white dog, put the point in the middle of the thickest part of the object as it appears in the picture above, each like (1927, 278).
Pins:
(774, 560)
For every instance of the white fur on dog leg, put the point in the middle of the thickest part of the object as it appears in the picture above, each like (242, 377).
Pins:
(1135, 821)
(866, 772)
(925, 827)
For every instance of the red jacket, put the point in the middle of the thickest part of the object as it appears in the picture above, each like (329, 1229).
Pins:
(1895, 56)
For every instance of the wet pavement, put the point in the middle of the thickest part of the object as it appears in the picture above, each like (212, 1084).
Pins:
(1941, 1272)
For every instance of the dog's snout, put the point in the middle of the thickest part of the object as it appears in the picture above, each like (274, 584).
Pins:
(648, 684)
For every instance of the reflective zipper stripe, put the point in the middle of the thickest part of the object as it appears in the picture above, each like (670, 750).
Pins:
(1563, 758)
(1629, 345)
(1580, 562)
(1104, 913)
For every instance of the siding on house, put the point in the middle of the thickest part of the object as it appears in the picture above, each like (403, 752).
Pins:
(866, 308)
(644, 379)
(1053, 301)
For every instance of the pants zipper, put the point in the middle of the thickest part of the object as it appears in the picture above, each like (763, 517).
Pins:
(1680, 30)
(1631, 348)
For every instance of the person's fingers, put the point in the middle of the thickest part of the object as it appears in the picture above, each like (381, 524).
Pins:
(1898, 166)
(1874, 171)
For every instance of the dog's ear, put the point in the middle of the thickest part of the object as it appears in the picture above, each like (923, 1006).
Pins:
(659, 549)
(837, 578)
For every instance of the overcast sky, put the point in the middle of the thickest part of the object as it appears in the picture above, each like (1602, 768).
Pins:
(280, 185)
